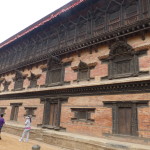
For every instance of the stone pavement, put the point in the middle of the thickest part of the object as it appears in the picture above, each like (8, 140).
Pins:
(10, 142)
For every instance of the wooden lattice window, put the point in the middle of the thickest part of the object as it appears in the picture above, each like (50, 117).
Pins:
(81, 28)
(55, 73)
(131, 9)
(2, 110)
(82, 114)
(30, 111)
(114, 15)
(123, 61)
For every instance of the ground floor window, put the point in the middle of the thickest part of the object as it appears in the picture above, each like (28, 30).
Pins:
(30, 111)
(14, 111)
(2, 110)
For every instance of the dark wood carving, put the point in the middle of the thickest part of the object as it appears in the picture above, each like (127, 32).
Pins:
(83, 71)
(55, 72)
(118, 88)
(33, 80)
(19, 79)
(6, 85)
(123, 61)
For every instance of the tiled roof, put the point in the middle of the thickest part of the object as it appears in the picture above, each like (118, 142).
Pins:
(42, 21)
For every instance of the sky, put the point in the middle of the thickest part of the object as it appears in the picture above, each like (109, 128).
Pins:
(15, 15)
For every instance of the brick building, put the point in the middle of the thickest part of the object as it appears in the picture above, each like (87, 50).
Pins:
(83, 69)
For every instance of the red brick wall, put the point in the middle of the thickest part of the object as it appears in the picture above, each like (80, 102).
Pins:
(25, 103)
(102, 115)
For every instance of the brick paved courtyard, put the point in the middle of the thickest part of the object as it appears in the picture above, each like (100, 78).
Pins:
(10, 142)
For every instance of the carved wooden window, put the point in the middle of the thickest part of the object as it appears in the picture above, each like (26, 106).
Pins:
(15, 111)
(62, 36)
(70, 33)
(99, 22)
(30, 111)
(2, 110)
(123, 61)
(53, 40)
(131, 10)
(82, 114)
(114, 15)
(81, 28)
(6, 85)
(19, 79)
(145, 8)
(83, 71)
(55, 72)
(33, 80)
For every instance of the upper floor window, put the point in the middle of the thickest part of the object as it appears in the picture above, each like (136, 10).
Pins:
(19, 78)
(114, 15)
(33, 80)
(123, 61)
(6, 85)
(83, 71)
(55, 72)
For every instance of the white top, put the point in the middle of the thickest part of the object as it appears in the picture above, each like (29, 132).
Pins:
(27, 124)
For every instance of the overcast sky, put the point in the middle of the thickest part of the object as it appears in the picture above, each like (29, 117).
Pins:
(16, 15)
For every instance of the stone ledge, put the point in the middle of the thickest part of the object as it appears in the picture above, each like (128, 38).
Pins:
(74, 141)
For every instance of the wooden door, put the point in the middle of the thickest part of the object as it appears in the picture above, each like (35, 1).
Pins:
(53, 113)
(124, 120)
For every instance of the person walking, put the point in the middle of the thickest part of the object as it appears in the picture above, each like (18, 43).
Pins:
(26, 129)
(2, 121)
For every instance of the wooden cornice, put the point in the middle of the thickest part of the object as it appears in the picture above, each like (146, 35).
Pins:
(109, 89)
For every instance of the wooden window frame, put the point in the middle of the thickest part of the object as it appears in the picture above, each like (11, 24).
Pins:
(78, 112)
(13, 111)
(33, 111)
(122, 52)
(54, 64)
(2, 110)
